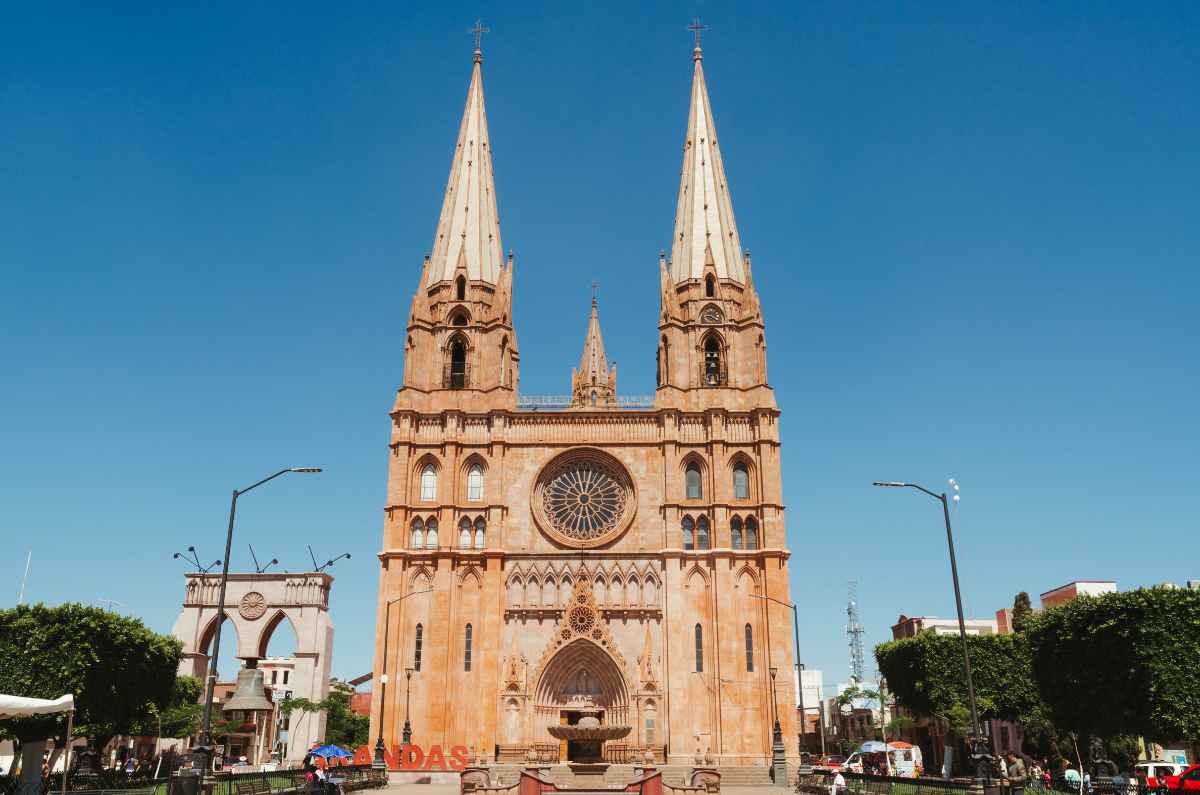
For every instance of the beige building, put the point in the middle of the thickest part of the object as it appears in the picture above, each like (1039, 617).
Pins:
(598, 552)
(910, 626)
(1073, 590)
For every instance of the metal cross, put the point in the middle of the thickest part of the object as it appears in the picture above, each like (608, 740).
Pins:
(595, 289)
(697, 28)
(478, 30)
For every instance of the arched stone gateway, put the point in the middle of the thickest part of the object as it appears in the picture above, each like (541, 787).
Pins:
(256, 606)
(580, 664)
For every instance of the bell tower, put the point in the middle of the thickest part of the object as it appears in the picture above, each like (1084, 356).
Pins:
(712, 342)
(461, 348)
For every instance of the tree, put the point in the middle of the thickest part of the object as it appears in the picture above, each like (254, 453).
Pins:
(926, 675)
(1121, 663)
(181, 716)
(115, 666)
(1021, 611)
(342, 726)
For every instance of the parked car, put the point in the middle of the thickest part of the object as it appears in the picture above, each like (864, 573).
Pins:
(1156, 772)
(1188, 781)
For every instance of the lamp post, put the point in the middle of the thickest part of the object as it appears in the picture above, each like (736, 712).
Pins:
(406, 734)
(976, 741)
(380, 749)
(799, 666)
(778, 758)
(204, 750)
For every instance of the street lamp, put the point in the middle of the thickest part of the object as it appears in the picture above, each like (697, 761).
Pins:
(380, 762)
(778, 760)
(406, 734)
(799, 667)
(204, 749)
(976, 740)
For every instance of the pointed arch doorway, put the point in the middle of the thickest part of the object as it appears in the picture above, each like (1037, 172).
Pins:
(580, 672)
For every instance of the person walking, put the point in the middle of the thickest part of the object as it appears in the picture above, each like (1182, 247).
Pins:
(1018, 776)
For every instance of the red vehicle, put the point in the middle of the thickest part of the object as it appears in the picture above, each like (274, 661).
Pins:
(1187, 781)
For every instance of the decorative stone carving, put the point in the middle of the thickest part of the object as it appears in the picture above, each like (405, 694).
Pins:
(583, 498)
(252, 606)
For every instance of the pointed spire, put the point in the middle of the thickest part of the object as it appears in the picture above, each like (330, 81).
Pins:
(468, 228)
(704, 214)
(594, 383)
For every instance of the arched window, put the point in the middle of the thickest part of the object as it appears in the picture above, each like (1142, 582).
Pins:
(751, 533)
(714, 372)
(702, 533)
(429, 483)
(416, 538)
(651, 715)
(699, 649)
(456, 373)
(710, 286)
(431, 539)
(749, 648)
(688, 535)
(650, 592)
(741, 482)
(475, 483)
(418, 640)
(464, 533)
(467, 649)
(735, 532)
(480, 532)
(460, 288)
(691, 477)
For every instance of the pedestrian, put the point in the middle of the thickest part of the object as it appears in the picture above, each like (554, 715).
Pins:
(130, 765)
(839, 784)
(1018, 776)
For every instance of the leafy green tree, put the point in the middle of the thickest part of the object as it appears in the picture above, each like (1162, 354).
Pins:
(342, 726)
(926, 675)
(1021, 611)
(1121, 663)
(115, 666)
(181, 716)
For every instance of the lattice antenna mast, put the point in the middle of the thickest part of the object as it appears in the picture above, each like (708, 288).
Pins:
(854, 629)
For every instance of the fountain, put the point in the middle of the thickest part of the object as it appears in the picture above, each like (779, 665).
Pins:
(586, 735)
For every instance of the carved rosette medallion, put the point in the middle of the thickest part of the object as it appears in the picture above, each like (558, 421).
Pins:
(252, 606)
(583, 498)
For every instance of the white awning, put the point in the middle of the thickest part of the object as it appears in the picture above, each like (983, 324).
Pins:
(21, 707)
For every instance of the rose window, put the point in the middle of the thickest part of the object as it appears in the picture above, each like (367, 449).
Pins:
(583, 498)
(581, 620)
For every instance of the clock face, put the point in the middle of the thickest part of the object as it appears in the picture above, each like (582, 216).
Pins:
(583, 498)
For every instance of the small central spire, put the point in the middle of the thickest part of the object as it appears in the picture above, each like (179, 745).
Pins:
(594, 383)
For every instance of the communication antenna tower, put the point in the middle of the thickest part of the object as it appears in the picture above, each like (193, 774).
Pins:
(855, 630)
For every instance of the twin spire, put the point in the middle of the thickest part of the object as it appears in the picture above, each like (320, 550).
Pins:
(704, 223)
(468, 229)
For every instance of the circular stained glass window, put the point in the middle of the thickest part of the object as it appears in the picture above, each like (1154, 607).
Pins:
(584, 498)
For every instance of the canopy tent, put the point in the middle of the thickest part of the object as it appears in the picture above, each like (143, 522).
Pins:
(328, 752)
(22, 707)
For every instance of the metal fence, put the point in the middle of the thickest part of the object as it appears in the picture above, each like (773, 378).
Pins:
(104, 782)
(820, 782)
(114, 782)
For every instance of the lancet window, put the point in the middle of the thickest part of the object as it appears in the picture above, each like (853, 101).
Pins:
(691, 477)
(475, 483)
(741, 482)
(735, 532)
(702, 535)
(714, 367)
(689, 541)
(751, 533)
(416, 538)
(467, 649)
(431, 534)
(699, 649)
(480, 531)
(418, 641)
(749, 649)
(429, 483)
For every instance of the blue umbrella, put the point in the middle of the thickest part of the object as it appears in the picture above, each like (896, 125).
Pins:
(331, 751)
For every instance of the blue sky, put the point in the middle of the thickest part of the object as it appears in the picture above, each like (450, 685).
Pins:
(974, 227)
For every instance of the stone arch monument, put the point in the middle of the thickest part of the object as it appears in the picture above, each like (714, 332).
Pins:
(255, 607)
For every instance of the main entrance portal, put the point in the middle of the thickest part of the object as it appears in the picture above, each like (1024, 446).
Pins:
(584, 701)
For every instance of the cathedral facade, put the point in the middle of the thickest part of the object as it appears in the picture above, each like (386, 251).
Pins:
(539, 565)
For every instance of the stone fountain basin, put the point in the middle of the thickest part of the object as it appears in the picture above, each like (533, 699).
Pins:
(589, 733)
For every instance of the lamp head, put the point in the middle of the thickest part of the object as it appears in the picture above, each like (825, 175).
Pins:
(889, 484)
(305, 469)
(176, 556)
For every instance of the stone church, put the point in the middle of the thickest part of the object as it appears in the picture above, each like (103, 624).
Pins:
(596, 558)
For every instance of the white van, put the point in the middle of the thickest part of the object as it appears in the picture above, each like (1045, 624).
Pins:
(904, 759)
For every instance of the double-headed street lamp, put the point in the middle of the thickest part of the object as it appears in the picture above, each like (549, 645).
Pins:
(976, 740)
(204, 749)
(380, 749)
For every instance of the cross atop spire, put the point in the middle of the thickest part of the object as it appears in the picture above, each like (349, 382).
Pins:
(697, 28)
(478, 29)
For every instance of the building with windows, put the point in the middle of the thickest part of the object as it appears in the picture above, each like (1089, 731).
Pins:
(539, 562)
(1075, 589)
(910, 626)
